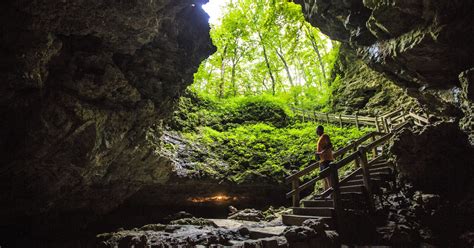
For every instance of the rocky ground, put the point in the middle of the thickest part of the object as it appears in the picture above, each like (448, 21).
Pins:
(246, 228)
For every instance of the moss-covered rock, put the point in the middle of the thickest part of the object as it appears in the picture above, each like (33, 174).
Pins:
(360, 89)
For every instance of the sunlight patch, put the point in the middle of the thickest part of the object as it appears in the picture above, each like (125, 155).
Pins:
(214, 8)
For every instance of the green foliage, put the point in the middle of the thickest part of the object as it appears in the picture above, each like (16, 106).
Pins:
(250, 139)
(194, 112)
(267, 47)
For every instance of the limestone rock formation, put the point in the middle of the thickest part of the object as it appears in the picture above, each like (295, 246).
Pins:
(423, 46)
(363, 90)
(437, 158)
(82, 84)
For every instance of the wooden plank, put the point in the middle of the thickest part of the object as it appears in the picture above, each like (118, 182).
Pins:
(419, 118)
(365, 169)
(351, 176)
(296, 195)
(374, 150)
(304, 186)
(339, 211)
(341, 163)
(303, 172)
(377, 124)
(391, 114)
(380, 141)
(357, 121)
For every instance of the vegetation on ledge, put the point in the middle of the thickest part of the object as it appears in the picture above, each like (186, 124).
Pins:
(244, 139)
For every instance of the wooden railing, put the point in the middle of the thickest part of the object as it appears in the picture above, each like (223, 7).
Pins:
(383, 123)
(358, 152)
(339, 154)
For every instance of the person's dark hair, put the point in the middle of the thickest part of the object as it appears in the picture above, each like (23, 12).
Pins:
(320, 128)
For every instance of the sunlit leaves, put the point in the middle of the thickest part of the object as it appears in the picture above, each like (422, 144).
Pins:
(266, 47)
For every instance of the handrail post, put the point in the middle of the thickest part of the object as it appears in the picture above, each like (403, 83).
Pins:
(340, 120)
(295, 184)
(385, 124)
(336, 195)
(377, 123)
(356, 161)
(327, 118)
(303, 114)
(315, 117)
(374, 151)
(365, 172)
(357, 121)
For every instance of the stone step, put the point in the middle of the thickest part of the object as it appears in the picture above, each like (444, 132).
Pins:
(314, 211)
(352, 188)
(297, 220)
(317, 203)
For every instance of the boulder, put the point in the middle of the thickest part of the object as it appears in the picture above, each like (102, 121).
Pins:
(435, 159)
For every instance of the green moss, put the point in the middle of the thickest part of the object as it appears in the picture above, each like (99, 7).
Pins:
(235, 145)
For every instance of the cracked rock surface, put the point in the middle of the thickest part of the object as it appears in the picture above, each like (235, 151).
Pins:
(83, 85)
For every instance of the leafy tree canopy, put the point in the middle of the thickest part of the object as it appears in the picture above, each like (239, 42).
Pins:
(267, 47)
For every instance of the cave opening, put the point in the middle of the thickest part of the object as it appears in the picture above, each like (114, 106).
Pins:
(238, 123)
(93, 139)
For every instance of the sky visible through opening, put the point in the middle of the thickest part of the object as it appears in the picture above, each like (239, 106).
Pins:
(215, 10)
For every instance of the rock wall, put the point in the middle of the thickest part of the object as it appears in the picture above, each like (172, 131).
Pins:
(423, 46)
(363, 90)
(82, 86)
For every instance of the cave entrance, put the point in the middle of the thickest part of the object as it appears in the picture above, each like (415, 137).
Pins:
(266, 48)
(236, 128)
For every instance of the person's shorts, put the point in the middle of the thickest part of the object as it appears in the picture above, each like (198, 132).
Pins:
(325, 164)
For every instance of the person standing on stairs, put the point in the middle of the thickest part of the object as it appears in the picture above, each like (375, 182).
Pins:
(324, 151)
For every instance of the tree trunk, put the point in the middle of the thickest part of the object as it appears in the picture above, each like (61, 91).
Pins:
(316, 49)
(267, 63)
(287, 69)
(221, 84)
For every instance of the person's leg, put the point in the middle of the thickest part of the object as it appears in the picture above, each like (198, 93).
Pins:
(323, 166)
(328, 178)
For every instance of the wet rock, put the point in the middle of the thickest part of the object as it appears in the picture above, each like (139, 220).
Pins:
(307, 237)
(173, 236)
(248, 214)
(179, 215)
(317, 225)
(152, 227)
(299, 233)
(194, 221)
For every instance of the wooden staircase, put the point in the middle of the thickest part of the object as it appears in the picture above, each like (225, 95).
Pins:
(355, 191)
(353, 196)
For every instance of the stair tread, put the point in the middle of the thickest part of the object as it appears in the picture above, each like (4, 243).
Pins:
(328, 208)
(351, 186)
(313, 211)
